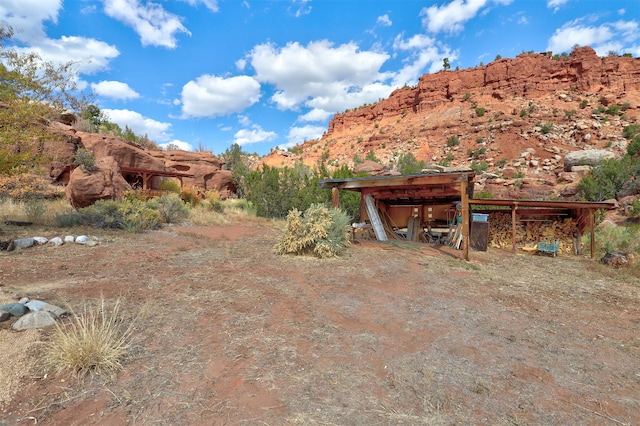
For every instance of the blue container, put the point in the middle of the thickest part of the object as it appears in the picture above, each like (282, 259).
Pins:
(480, 217)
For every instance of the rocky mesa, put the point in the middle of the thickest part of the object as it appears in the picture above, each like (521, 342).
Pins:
(514, 117)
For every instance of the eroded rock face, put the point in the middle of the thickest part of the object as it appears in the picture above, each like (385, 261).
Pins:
(105, 183)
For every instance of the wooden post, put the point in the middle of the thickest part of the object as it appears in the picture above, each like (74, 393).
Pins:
(592, 223)
(335, 198)
(465, 216)
(513, 227)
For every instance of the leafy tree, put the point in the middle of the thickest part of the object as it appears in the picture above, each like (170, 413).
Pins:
(445, 64)
(236, 160)
(32, 93)
(606, 179)
(409, 165)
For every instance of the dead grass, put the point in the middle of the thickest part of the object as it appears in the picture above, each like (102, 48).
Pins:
(94, 341)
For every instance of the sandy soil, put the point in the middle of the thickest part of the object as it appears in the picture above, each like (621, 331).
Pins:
(229, 333)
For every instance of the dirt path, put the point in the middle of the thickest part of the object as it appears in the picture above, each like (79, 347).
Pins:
(232, 334)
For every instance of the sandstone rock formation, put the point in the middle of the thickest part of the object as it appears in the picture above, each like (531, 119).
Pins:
(530, 104)
(103, 183)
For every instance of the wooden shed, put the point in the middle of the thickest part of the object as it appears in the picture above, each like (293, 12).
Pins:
(429, 203)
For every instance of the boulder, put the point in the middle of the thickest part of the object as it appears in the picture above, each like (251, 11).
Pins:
(82, 239)
(39, 305)
(369, 166)
(41, 240)
(4, 315)
(587, 157)
(39, 319)
(103, 183)
(24, 243)
(15, 309)
(56, 241)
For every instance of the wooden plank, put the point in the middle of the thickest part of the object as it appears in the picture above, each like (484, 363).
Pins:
(479, 236)
(465, 216)
(374, 217)
(335, 198)
(513, 227)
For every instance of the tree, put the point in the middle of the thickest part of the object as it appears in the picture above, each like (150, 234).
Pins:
(32, 93)
(409, 165)
(445, 64)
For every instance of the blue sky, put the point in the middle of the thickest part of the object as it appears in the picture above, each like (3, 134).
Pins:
(267, 73)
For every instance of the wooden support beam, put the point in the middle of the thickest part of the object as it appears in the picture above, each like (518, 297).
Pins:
(513, 227)
(465, 216)
(335, 198)
(592, 222)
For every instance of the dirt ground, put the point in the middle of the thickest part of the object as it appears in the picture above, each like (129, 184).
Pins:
(230, 334)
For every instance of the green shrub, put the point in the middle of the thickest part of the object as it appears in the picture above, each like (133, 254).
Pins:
(634, 146)
(613, 110)
(545, 129)
(584, 104)
(502, 162)
(479, 166)
(171, 208)
(319, 232)
(170, 185)
(409, 165)
(67, 220)
(371, 156)
(84, 159)
(131, 216)
(607, 178)
(480, 111)
(453, 141)
(570, 113)
(630, 131)
(523, 112)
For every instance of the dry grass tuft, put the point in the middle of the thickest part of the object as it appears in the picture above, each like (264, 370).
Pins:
(96, 341)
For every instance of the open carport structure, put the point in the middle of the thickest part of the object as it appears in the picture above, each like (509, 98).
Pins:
(432, 201)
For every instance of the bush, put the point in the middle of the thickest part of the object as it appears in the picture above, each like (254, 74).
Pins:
(319, 232)
(34, 209)
(634, 146)
(453, 141)
(408, 164)
(479, 166)
(131, 216)
(606, 179)
(523, 112)
(67, 220)
(213, 203)
(84, 159)
(96, 341)
(584, 104)
(171, 208)
(170, 185)
(480, 111)
(545, 129)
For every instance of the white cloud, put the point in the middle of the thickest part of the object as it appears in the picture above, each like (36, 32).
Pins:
(316, 114)
(599, 37)
(384, 20)
(87, 54)
(177, 144)
(452, 17)
(300, 7)
(26, 17)
(210, 96)
(523, 20)
(301, 73)
(150, 21)
(114, 90)
(254, 135)
(424, 51)
(212, 5)
(556, 4)
(621, 12)
(298, 135)
(155, 130)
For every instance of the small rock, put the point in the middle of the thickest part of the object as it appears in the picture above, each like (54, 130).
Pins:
(39, 305)
(69, 239)
(91, 243)
(82, 239)
(40, 240)
(4, 315)
(15, 309)
(24, 242)
(56, 241)
(38, 319)
(7, 245)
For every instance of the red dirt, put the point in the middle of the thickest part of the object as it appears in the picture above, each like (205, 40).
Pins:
(230, 333)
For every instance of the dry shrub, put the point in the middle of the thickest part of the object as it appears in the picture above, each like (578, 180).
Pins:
(320, 232)
(27, 186)
(97, 341)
